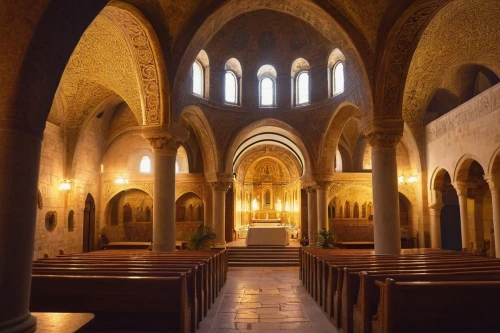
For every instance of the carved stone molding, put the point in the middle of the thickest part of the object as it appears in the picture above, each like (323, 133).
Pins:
(146, 63)
(493, 182)
(461, 188)
(476, 108)
(220, 186)
(197, 188)
(165, 142)
(339, 186)
(111, 189)
(323, 184)
(383, 139)
(310, 189)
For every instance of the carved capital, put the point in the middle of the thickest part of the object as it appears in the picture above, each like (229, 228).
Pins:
(220, 186)
(310, 189)
(493, 182)
(323, 184)
(461, 188)
(383, 139)
(166, 142)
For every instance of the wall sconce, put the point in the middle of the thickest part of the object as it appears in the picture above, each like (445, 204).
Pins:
(65, 185)
(404, 180)
(121, 180)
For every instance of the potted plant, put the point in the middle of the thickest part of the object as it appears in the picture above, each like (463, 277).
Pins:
(202, 237)
(325, 239)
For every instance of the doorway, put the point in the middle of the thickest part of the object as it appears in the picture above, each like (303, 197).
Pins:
(89, 224)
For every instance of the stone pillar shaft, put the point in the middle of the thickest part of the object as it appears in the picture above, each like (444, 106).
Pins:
(312, 216)
(20, 164)
(494, 184)
(164, 201)
(165, 147)
(219, 190)
(461, 188)
(322, 204)
(386, 222)
(435, 216)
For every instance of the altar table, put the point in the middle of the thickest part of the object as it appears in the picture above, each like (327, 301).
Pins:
(267, 236)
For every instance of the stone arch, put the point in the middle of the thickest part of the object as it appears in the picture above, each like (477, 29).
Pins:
(148, 58)
(308, 11)
(268, 125)
(402, 40)
(494, 164)
(462, 167)
(111, 189)
(437, 178)
(189, 212)
(194, 117)
(330, 138)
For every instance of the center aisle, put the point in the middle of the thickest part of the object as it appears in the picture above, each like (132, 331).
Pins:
(267, 300)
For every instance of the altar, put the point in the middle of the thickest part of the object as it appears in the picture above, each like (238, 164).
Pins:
(266, 222)
(271, 235)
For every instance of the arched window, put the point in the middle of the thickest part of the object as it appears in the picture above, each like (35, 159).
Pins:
(176, 167)
(201, 75)
(197, 79)
(336, 69)
(231, 88)
(267, 92)
(338, 78)
(300, 74)
(267, 85)
(303, 88)
(145, 166)
(232, 82)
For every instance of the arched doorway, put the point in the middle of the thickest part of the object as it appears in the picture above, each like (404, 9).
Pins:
(89, 224)
(451, 236)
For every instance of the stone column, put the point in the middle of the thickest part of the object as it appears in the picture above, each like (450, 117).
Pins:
(322, 203)
(165, 142)
(20, 156)
(386, 224)
(219, 190)
(312, 215)
(461, 187)
(435, 216)
(494, 184)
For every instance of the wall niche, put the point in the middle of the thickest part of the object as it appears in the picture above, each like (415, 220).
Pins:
(50, 220)
(71, 221)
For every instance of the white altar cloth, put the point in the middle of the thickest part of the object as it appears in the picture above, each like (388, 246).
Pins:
(267, 236)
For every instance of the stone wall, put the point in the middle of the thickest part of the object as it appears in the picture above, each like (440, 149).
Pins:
(352, 230)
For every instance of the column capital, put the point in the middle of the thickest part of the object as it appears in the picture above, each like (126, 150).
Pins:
(323, 184)
(493, 182)
(383, 133)
(220, 186)
(461, 187)
(310, 189)
(165, 138)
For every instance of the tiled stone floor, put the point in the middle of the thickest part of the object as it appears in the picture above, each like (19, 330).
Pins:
(267, 300)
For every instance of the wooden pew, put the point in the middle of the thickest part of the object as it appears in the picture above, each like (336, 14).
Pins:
(131, 303)
(360, 296)
(456, 306)
(194, 294)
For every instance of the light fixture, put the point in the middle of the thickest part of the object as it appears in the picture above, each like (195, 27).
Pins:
(65, 185)
(121, 180)
(402, 179)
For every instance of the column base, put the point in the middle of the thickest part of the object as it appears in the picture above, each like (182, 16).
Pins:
(26, 324)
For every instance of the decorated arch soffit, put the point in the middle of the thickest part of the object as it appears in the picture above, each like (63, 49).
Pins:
(194, 117)
(453, 42)
(394, 60)
(111, 189)
(145, 51)
(307, 11)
